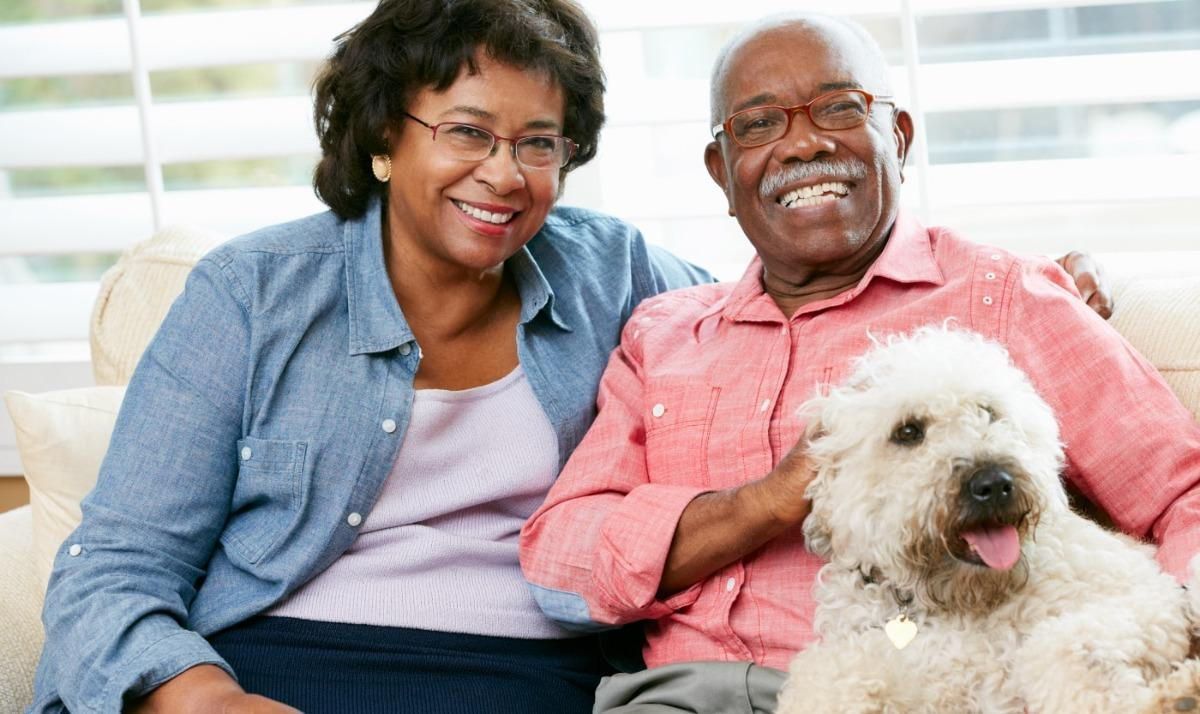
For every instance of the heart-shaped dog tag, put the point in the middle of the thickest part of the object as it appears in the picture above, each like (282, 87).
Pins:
(900, 630)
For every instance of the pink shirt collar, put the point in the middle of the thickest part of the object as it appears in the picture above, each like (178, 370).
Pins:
(907, 258)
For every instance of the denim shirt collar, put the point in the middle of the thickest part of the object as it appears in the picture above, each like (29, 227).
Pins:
(376, 322)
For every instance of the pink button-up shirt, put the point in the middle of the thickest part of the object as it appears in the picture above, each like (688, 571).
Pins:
(702, 395)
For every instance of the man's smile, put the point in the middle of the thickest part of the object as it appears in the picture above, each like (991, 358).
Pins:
(815, 194)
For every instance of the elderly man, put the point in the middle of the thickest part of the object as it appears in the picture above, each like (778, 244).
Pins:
(682, 505)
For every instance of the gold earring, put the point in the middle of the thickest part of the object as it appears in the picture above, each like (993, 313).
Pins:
(381, 166)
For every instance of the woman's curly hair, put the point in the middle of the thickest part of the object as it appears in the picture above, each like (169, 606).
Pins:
(406, 46)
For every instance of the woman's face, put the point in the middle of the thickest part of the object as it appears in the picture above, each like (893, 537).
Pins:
(437, 203)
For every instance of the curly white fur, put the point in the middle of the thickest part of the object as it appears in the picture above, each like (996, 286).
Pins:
(1085, 621)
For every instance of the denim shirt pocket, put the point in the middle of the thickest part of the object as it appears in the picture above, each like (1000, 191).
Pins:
(678, 416)
(267, 498)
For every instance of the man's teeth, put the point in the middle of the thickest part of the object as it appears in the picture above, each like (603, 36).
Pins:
(486, 216)
(813, 195)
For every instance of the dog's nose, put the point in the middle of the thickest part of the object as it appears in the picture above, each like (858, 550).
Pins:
(991, 485)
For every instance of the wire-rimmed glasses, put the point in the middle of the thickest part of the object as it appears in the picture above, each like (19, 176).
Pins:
(468, 142)
(834, 111)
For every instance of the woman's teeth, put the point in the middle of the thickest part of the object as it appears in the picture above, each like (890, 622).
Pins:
(485, 216)
(814, 195)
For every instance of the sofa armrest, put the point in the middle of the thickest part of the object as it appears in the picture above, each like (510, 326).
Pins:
(20, 612)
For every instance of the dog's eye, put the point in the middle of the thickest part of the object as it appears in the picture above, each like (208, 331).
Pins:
(910, 433)
(992, 415)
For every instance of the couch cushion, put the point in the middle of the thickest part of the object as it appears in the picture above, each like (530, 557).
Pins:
(135, 295)
(20, 606)
(1161, 317)
(62, 437)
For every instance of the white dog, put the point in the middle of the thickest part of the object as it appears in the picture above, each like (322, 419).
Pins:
(958, 578)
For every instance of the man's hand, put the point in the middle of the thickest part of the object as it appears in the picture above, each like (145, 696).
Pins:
(720, 527)
(206, 689)
(1088, 279)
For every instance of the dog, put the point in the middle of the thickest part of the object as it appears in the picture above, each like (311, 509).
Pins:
(958, 579)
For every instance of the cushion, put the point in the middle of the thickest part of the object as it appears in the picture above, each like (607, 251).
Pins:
(1159, 316)
(62, 437)
(135, 295)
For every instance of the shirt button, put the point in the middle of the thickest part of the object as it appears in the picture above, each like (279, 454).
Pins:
(405, 349)
(389, 425)
(763, 407)
(990, 276)
(987, 299)
(730, 584)
(658, 410)
(246, 453)
(354, 519)
(75, 549)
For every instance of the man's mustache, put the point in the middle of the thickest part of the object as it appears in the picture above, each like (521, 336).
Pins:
(817, 168)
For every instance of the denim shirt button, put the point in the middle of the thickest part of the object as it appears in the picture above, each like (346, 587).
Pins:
(406, 349)
(246, 453)
(354, 519)
(75, 549)
(389, 425)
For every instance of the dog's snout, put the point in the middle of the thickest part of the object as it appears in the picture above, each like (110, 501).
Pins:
(991, 485)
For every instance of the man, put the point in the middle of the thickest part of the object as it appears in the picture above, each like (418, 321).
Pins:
(682, 506)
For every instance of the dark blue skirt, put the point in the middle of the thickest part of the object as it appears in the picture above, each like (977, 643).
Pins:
(333, 667)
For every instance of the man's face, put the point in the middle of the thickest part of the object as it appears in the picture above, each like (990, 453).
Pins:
(850, 177)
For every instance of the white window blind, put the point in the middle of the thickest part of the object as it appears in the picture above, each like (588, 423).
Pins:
(1044, 126)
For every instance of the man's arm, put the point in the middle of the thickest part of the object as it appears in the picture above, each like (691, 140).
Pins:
(1132, 448)
(609, 546)
(720, 527)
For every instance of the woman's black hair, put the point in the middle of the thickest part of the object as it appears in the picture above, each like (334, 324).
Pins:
(406, 46)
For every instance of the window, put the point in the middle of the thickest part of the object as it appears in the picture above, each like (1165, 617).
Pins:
(1044, 126)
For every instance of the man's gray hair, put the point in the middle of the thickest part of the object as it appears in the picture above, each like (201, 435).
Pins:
(817, 22)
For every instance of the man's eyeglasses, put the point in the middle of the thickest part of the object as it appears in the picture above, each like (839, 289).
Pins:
(468, 142)
(835, 111)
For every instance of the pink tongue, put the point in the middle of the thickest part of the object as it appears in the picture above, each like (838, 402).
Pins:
(999, 547)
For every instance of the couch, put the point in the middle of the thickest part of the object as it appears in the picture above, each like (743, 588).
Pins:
(62, 435)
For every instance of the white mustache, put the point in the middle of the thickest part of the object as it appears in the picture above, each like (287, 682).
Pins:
(818, 168)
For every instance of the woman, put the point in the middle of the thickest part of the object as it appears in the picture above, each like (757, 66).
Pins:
(328, 450)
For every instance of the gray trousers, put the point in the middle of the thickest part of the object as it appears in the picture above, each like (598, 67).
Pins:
(692, 688)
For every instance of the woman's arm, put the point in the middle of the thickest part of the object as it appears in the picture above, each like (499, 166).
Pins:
(123, 582)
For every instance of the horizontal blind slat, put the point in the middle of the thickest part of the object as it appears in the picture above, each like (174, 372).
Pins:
(112, 222)
(227, 37)
(51, 312)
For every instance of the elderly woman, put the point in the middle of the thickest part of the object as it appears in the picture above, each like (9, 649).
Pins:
(355, 412)
(315, 487)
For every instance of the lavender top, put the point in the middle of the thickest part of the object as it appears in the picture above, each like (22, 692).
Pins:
(439, 549)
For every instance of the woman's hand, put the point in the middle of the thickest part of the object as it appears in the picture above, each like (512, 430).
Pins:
(206, 689)
(1085, 271)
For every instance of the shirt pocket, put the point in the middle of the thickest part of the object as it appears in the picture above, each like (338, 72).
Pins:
(678, 416)
(267, 497)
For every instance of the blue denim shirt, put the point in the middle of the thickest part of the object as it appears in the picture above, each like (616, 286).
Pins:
(264, 418)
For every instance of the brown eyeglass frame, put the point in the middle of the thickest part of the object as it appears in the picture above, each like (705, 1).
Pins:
(806, 109)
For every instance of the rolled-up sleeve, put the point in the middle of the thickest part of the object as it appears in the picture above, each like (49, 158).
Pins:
(116, 609)
(595, 551)
(1131, 446)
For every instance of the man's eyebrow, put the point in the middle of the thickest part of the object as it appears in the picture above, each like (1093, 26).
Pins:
(768, 98)
(479, 113)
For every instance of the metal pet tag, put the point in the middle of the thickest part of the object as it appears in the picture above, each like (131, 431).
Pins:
(900, 630)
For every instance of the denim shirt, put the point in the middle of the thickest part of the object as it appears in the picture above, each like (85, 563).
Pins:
(263, 419)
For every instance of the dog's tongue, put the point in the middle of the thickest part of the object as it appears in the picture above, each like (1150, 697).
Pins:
(999, 547)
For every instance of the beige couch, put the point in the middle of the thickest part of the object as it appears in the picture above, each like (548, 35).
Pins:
(1158, 310)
